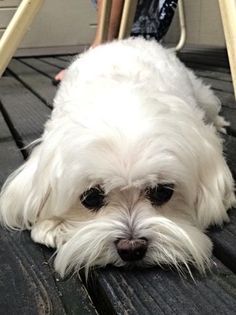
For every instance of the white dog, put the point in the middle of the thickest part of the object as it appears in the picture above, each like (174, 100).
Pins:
(129, 170)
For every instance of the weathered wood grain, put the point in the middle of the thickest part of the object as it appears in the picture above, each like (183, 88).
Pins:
(224, 242)
(221, 76)
(227, 99)
(10, 156)
(158, 291)
(67, 58)
(28, 285)
(220, 85)
(37, 83)
(230, 153)
(198, 65)
(37, 65)
(27, 113)
(59, 63)
(204, 59)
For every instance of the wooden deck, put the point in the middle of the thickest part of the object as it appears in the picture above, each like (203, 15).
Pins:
(28, 283)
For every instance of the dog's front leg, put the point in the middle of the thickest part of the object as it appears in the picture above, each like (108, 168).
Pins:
(52, 232)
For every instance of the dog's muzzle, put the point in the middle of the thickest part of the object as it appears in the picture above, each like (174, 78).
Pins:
(131, 249)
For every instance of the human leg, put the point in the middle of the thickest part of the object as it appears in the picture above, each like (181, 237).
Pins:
(113, 29)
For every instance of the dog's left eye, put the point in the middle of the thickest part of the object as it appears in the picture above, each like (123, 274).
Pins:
(93, 198)
(160, 194)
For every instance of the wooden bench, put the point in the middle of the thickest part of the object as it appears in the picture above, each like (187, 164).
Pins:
(28, 282)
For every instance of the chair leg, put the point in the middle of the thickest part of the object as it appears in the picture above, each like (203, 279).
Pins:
(16, 29)
(127, 18)
(228, 14)
(182, 22)
(104, 19)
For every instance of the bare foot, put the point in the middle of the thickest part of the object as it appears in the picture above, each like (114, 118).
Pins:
(60, 75)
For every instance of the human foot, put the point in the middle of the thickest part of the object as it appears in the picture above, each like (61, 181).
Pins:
(57, 79)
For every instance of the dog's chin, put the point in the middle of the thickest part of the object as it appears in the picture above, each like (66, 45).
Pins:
(177, 244)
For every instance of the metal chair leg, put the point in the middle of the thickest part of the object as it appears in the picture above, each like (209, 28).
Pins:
(103, 23)
(16, 29)
(182, 23)
(127, 18)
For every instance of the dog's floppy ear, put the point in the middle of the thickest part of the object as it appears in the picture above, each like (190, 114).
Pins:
(215, 193)
(24, 194)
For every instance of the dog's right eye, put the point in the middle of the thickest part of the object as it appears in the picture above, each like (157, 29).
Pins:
(93, 198)
(160, 194)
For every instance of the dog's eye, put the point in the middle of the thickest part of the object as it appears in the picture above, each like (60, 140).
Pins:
(160, 194)
(93, 198)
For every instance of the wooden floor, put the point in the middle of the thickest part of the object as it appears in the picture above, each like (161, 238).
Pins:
(28, 283)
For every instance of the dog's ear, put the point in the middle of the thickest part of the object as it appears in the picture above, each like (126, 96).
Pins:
(24, 194)
(215, 193)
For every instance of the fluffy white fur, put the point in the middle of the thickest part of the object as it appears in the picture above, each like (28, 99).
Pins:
(127, 116)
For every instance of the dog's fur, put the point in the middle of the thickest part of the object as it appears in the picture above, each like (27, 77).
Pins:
(128, 116)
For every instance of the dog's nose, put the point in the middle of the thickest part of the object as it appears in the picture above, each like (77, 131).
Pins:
(131, 249)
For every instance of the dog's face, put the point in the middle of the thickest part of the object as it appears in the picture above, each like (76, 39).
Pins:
(144, 225)
(137, 195)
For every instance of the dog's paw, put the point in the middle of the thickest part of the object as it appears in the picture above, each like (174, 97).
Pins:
(49, 233)
(220, 124)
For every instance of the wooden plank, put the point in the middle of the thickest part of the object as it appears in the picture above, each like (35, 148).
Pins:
(224, 239)
(204, 59)
(71, 290)
(40, 66)
(219, 85)
(158, 291)
(214, 75)
(201, 50)
(28, 283)
(29, 286)
(230, 115)
(198, 65)
(10, 156)
(25, 287)
(67, 58)
(230, 152)
(227, 99)
(27, 113)
(61, 64)
(38, 83)
(224, 242)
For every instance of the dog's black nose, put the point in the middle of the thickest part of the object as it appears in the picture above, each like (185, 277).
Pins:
(131, 249)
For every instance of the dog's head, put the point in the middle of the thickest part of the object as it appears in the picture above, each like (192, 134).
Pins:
(143, 188)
